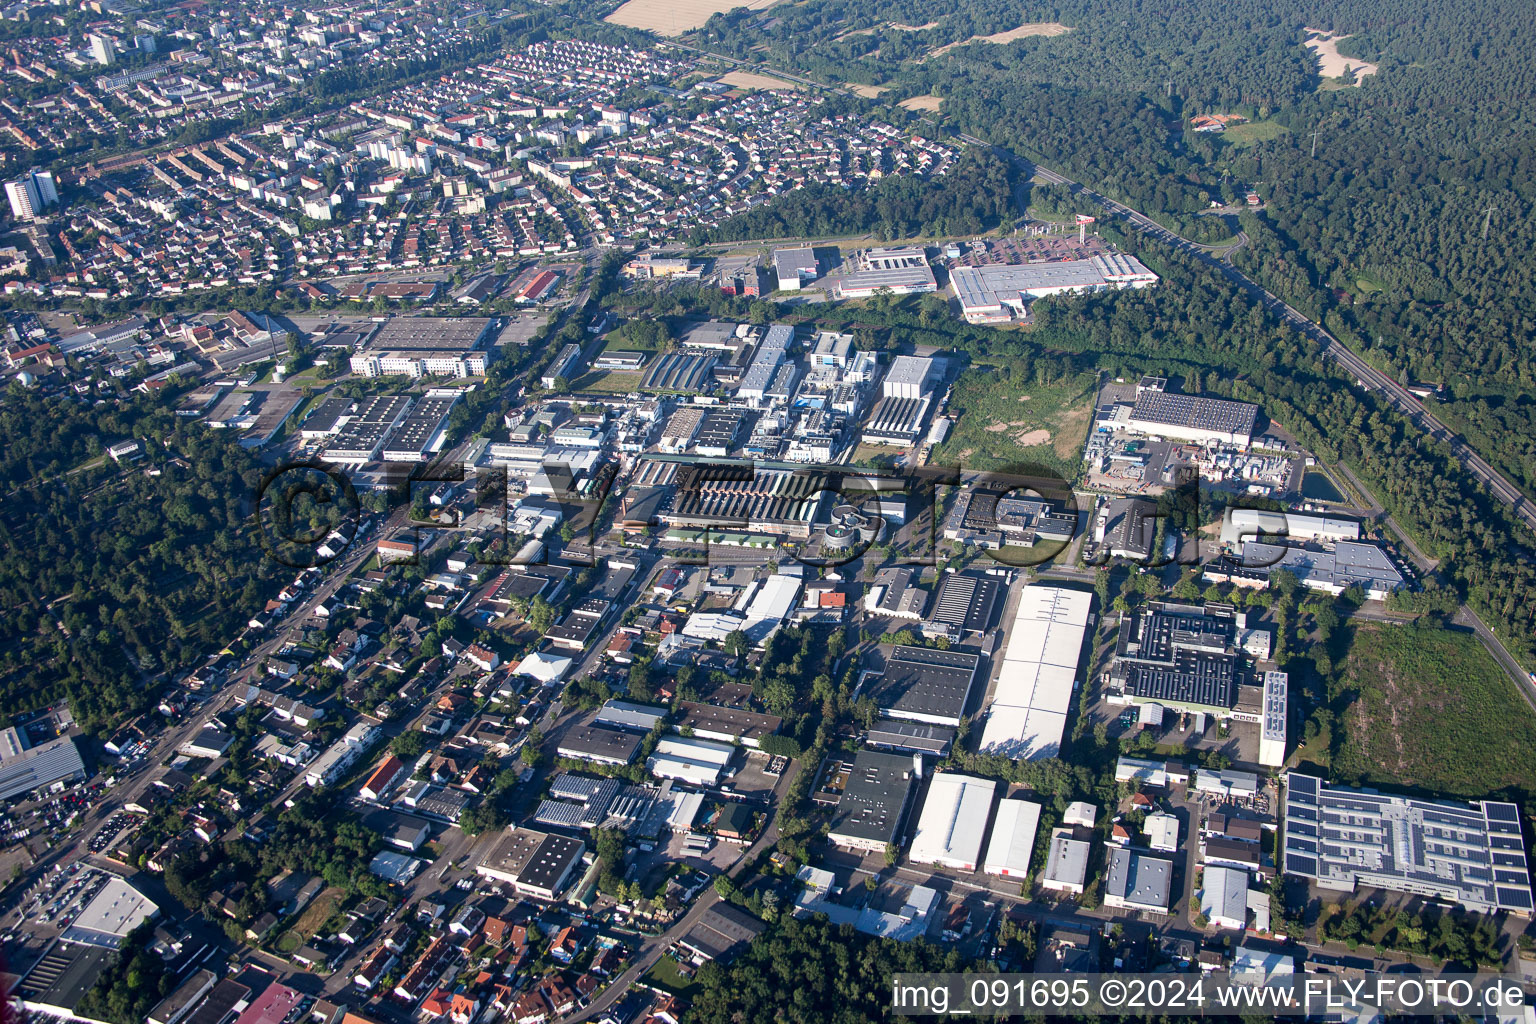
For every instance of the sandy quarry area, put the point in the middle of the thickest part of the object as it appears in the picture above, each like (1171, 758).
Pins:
(675, 17)
(1331, 62)
(1034, 28)
(750, 80)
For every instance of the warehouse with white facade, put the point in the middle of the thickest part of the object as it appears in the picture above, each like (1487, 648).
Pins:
(953, 821)
(700, 762)
(1033, 695)
(1013, 838)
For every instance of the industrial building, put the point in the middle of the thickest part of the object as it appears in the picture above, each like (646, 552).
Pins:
(953, 821)
(1192, 658)
(1160, 413)
(1137, 881)
(563, 367)
(699, 762)
(1349, 564)
(679, 372)
(897, 271)
(1013, 838)
(1224, 896)
(999, 292)
(426, 347)
(1239, 525)
(357, 437)
(1471, 854)
(422, 433)
(911, 737)
(923, 684)
(874, 801)
(57, 761)
(736, 499)
(761, 373)
(1033, 694)
(621, 714)
(580, 803)
(1273, 722)
(727, 725)
(721, 931)
(966, 603)
(117, 909)
(795, 267)
(991, 520)
(1066, 865)
(534, 863)
(589, 741)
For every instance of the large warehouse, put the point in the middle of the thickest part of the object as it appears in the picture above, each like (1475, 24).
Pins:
(1179, 417)
(989, 293)
(1013, 838)
(1033, 694)
(1471, 854)
(953, 822)
(57, 760)
(415, 346)
(689, 760)
(924, 684)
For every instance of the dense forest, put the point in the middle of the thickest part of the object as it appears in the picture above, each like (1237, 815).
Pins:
(1409, 232)
(812, 972)
(112, 573)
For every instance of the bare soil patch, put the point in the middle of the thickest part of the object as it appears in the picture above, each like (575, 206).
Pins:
(928, 103)
(675, 17)
(752, 80)
(1034, 28)
(1331, 63)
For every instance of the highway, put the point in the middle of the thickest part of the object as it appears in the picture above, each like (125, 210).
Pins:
(1370, 378)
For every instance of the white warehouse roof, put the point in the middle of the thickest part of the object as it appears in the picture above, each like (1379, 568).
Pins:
(1013, 838)
(954, 821)
(1028, 714)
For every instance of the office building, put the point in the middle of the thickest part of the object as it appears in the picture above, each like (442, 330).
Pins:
(413, 346)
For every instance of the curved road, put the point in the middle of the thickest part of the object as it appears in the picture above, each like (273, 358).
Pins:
(1370, 378)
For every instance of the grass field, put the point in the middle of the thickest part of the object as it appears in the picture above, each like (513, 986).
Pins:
(608, 382)
(318, 912)
(997, 424)
(1241, 136)
(675, 17)
(928, 103)
(1431, 709)
(666, 976)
